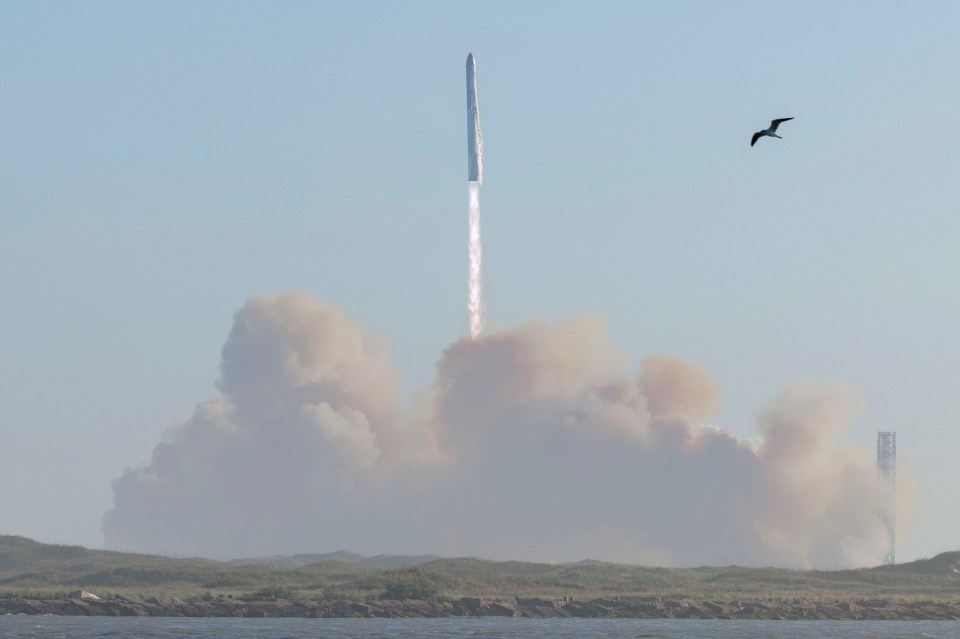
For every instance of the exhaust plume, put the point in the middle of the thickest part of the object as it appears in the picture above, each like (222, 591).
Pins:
(532, 443)
(474, 283)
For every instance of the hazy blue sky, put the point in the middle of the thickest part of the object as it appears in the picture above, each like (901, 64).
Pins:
(161, 162)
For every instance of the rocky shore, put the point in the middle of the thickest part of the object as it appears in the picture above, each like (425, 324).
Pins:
(86, 604)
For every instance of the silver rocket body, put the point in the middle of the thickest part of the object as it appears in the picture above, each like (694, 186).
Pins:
(474, 137)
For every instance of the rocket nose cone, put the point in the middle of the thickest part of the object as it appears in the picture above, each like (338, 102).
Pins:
(470, 61)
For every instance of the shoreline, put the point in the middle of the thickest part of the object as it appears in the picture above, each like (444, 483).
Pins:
(536, 608)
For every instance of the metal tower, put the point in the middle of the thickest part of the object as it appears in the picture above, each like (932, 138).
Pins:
(887, 467)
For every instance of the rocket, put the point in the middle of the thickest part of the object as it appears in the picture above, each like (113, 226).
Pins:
(474, 137)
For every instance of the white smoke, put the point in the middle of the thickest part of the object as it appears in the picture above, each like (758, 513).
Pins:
(475, 284)
(531, 443)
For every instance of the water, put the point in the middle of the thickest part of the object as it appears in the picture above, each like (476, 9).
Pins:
(32, 627)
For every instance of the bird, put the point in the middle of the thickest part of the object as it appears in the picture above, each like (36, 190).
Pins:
(770, 132)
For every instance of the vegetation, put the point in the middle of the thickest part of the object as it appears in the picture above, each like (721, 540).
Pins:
(31, 568)
(414, 583)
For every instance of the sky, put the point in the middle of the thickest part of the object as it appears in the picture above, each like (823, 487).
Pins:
(172, 170)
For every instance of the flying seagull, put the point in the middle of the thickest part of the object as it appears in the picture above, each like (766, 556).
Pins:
(771, 132)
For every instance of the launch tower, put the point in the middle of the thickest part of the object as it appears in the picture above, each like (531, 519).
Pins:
(887, 467)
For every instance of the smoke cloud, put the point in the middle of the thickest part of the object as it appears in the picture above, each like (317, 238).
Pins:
(533, 444)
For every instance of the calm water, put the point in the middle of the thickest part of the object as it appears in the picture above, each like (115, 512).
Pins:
(29, 627)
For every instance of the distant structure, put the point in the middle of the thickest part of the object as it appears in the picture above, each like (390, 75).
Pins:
(887, 467)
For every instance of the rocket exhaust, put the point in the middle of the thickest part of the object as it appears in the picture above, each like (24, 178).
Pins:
(475, 287)
(474, 179)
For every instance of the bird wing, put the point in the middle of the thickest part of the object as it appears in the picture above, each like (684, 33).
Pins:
(775, 123)
(756, 136)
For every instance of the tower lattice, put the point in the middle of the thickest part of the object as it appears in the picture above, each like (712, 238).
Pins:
(887, 467)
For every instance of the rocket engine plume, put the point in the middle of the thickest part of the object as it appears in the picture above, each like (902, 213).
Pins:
(474, 297)
(474, 179)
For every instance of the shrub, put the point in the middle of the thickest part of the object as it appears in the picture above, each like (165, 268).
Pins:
(411, 584)
(277, 592)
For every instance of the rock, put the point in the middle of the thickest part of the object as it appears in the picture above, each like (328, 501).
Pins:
(588, 609)
(84, 595)
(717, 609)
(873, 603)
(500, 609)
(540, 608)
(651, 607)
(471, 604)
(849, 606)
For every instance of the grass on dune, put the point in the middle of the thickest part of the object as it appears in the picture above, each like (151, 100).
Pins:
(34, 569)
